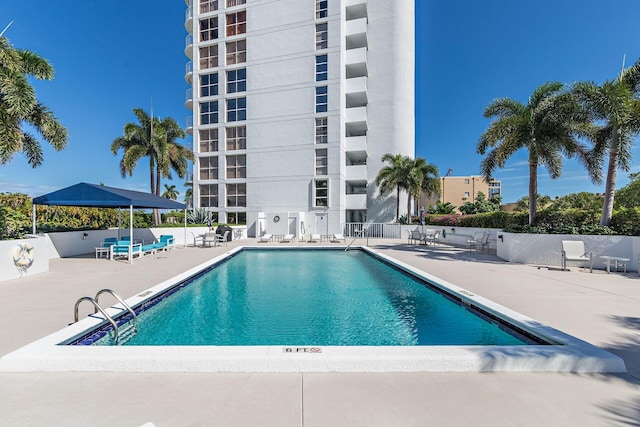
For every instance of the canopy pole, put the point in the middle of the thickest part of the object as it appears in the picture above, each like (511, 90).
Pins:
(130, 234)
(185, 227)
(33, 218)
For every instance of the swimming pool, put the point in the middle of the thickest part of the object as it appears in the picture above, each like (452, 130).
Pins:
(312, 297)
(566, 353)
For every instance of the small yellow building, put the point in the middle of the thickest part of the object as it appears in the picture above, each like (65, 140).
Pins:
(460, 189)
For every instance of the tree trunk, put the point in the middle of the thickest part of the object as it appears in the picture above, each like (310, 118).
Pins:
(397, 203)
(157, 218)
(533, 192)
(409, 207)
(610, 187)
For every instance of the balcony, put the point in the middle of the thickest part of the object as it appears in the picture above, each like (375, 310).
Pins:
(356, 173)
(357, 114)
(356, 63)
(189, 127)
(188, 19)
(188, 102)
(356, 33)
(355, 201)
(356, 143)
(355, 9)
(188, 76)
(188, 46)
(356, 92)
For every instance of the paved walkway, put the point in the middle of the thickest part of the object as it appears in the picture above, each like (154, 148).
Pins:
(599, 308)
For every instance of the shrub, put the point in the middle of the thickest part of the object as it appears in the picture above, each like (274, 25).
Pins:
(626, 221)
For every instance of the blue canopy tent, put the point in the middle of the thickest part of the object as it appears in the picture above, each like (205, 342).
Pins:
(101, 196)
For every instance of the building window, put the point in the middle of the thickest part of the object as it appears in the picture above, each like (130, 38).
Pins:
(466, 180)
(208, 112)
(321, 192)
(208, 5)
(208, 168)
(209, 57)
(231, 3)
(321, 99)
(321, 68)
(236, 109)
(236, 52)
(237, 166)
(237, 217)
(466, 194)
(209, 84)
(236, 195)
(321, 162)
(237, 138)
(209, 29)
(237, 80)
(322, 36)
(236, 23)
(321, 9)
(322, 130)
(209, 195)
(208, 140)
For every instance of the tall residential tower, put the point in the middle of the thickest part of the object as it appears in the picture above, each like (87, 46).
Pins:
(294, 103)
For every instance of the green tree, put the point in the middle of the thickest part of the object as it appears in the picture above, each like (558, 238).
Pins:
(584, 201)
(19, 106)
(615, 103)
(422, 177)
(547, 127)
(155, 139)
(542, 200)
(629, 195)
(170, 192)
(393, 176)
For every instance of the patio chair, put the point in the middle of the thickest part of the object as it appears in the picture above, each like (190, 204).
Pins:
(433, 237)
(222, 238)
(415, 236)
(475, 241)
(574, 250)
(121, 249)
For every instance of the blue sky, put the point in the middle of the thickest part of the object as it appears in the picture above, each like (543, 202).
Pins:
(111, 57)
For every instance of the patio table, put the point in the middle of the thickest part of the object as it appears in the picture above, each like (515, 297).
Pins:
(617, 262)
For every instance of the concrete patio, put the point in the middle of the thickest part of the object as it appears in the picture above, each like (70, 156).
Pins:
(600, 308)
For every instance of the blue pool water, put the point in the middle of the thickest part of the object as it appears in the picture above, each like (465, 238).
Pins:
(313, 297)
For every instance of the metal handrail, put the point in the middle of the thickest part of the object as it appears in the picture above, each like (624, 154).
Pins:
(121, 301)
(358, 233)
(104, 313)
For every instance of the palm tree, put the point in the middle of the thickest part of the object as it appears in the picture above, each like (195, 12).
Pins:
(19, 106)
(170, 192)
(393, 176)
(615, 104)
(422, 177)
(155, 139)
(547, 126)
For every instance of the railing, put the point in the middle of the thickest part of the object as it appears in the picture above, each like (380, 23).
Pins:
(101, 310)
(121, 301)
(374, 230)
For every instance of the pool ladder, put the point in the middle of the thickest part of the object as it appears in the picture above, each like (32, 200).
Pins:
(358, 233)
(97, 307)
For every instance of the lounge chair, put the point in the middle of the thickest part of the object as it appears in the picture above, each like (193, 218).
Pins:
(313, 238)
(287, 238)
(336, 238)
(574, 250)
(265, 238)
(432, 237)
(208, 239)
(222, 238)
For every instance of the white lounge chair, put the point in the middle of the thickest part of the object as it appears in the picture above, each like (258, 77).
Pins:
(314, 238)
(265, 238)
(415, 236)
(287, 238)
(475, 241)
(574, 250)
(336, 238)
(208, 239)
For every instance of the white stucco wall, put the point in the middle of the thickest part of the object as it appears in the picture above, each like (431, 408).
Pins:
(41, 253)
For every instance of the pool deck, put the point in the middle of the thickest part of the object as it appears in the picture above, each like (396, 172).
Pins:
(603, 309)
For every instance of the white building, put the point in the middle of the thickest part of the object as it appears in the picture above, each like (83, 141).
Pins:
(294, 103)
